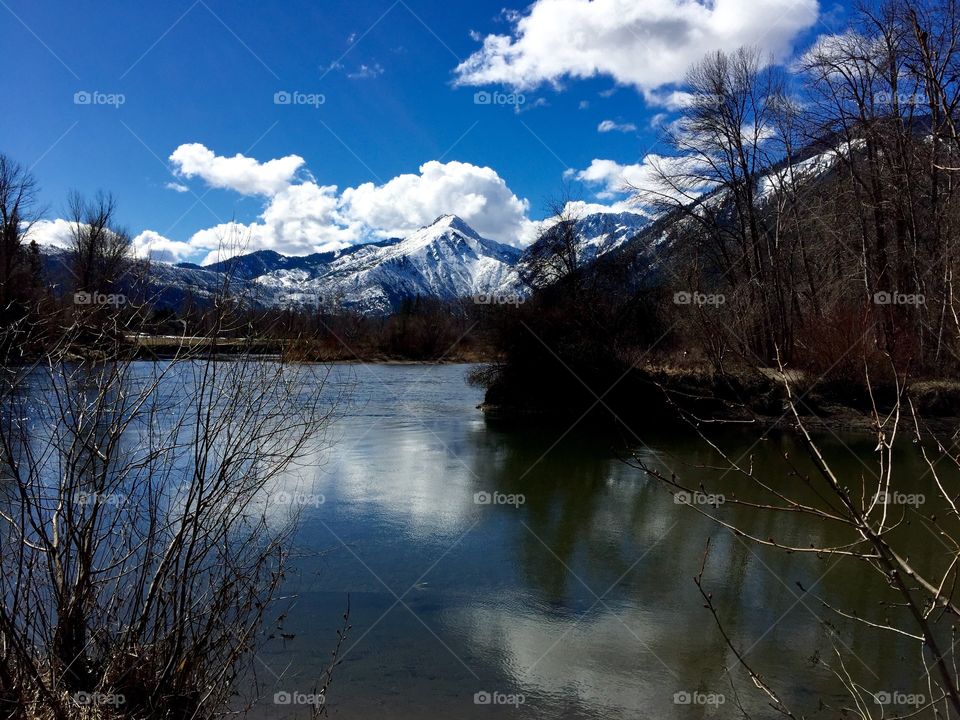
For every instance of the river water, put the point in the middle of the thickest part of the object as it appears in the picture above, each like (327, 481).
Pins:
(570, 594)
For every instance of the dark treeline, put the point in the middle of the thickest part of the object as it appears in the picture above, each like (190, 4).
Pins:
(807, 216)
(424, 329)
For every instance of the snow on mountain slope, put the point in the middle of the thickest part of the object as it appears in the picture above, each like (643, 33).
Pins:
(158, 283)
(445, 260)
(594, 236)
(602, 232)
(666, 234)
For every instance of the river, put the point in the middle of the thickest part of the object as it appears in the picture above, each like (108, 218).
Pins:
(504, 569)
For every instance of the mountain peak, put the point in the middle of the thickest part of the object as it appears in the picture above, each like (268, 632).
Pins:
(454, 222)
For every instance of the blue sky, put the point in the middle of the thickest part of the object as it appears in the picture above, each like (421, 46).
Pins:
(383, 130)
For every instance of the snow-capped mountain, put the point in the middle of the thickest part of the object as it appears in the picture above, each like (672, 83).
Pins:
(665, 237)
(599, 233)
(445, 260)
(157, 283)
(580, 242)
(593, 235)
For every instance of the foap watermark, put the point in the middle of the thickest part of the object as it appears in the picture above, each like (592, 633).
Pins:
(95, 97)
(498, 299)
(485, 697)
(299, 698)
(98, 699)
(898, 498)
(485, 97)
(96, 498)
(897, 298)
(705, 100)
(297, 498)
(295, 97)
(684, 697)
(99, 298)
(499, 498)
(684, 297)
(887, 98)
(896, 697)
(698, 498)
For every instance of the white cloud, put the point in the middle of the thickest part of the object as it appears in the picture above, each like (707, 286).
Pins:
(477, 194)
(177, 187)
(611, 126)
(154, 246)
(669, 99)
(616, 179)
(227, 240)
(242, 174)
(582, 208)
(625, 181)
(842, 53)
(51, 233)
(646, 44)
(305, 217)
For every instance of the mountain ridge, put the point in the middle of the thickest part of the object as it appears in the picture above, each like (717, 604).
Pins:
(446, 260)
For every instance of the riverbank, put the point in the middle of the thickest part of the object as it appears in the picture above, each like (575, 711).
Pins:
(165, 347)
(668, 396)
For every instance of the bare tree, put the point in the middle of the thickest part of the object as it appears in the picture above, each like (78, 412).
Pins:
(145, 521)
(722, 145)
(555, 255)
(863, 516)
(19, 209)
(99, 250)
(836, 204)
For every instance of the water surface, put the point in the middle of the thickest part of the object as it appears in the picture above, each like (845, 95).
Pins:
(581, 600)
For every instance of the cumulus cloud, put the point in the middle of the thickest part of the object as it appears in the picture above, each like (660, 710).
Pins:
(177, 187)
(227, 240)
(154, 246)
(477, 194)
(240, 173)
(644, 44)
(51, 233)
(611, 126)
(616, 179)
(303, 217)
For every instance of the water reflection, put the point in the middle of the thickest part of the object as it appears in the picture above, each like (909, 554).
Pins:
(581, 598)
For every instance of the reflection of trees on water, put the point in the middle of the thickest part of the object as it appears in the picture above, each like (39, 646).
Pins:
(594, 519)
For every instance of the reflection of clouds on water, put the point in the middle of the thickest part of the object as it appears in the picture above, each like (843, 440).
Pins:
(406, 473)
(625, 662)
(397, 495)
(593, 661)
